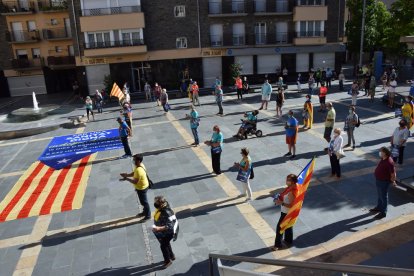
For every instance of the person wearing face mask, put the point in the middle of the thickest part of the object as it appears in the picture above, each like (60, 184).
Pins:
(216, 144)
(291, 127)
(350, 122)
(335, 151)
(385, 175)
(399, 140)
(329, 122)
(308, 113)
(140, 181)
(165, 228)
(285, 199)
(407, 111)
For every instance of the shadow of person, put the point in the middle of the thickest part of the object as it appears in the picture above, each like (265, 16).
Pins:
(328, 232)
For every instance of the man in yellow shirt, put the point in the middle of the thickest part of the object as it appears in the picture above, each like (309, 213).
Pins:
(140, 181)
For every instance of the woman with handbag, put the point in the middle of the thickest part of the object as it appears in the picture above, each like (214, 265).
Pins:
(164, 100)
(216, 144)
(245, 169)
(165, 228)
(335, 152)
(308, 113)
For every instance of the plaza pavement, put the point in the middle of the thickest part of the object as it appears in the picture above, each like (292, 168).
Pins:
(104, 237)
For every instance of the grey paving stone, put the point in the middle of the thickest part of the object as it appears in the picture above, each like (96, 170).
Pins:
(61, 271)
(118, 255)
(63, 258)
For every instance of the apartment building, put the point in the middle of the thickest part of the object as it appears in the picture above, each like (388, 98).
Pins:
(4, 57)
(41, 55)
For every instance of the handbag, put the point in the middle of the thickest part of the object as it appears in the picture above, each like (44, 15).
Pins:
(395, 151)
(339, 154)
(216, 149)
(243, 176)
(398, 112)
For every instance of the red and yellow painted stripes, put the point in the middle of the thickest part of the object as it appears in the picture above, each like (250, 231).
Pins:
(42, 190)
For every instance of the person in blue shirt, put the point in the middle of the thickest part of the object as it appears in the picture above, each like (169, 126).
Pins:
(124, 134)
(266, 93)
(216, 144)
(194, 123)
(291, 134)
(249, 123)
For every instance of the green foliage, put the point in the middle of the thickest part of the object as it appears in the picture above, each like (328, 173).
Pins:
(235, 70)
(108, 82)
(377, 20)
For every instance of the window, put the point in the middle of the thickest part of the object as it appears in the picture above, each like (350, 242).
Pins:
(238, 34)
(260, 5)
(311, 2)
(21, 54)
(237, 6)
(36, 53)
(54, 21)
(311, 28)
(98, 40)
(281, 32)
(181, 42)
(58, 49)
(179, 11)
(132, 37)
(260, 33)
(31, 26)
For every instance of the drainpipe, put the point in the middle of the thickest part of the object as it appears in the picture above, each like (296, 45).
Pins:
(76, 28)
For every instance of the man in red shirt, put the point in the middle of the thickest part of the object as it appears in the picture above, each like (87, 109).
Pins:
(384, 176)
(239, 86)
(195, 89)
(322, 96)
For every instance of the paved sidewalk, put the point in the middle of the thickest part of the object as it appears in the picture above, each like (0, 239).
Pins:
(104, 237)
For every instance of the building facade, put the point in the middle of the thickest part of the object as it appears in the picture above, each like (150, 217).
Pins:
(172, 41)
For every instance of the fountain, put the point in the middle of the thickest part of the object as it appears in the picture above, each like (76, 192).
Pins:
(35, 103)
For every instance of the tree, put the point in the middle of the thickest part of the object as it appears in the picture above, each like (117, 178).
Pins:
(235, 70)
(401, 24)
(377, 19)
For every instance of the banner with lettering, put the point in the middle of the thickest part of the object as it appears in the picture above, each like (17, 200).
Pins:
(65, 150)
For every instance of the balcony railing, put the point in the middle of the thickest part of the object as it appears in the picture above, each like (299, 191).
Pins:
(60, 61)
(310, 2)
(27, 63)
(251, 40)
(263, 6)
(111, 10)
(17, 6)
(226, 7)
(52, 5)
(113, 44)
(61, 33)
(310, 34)
(22, 36)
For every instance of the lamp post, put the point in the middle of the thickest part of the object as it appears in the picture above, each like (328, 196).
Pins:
(361, 46)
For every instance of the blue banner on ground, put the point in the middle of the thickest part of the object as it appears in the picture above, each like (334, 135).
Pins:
(64, 150)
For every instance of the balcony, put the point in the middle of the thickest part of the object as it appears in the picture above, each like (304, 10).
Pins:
(310, 10)
(310, 38)
(278, 38)
(112, 21)
(63, 62)
(118, 47)
(226, 8)
(52, 5)
(22, 36)
(280, 7)
(57, 34)
(111, 10)
(17, 7)
(27, 64)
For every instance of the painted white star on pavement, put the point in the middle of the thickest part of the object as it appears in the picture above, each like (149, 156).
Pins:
(63, 161)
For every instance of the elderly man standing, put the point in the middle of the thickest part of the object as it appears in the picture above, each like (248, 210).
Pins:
(329, 122)
(266, 93)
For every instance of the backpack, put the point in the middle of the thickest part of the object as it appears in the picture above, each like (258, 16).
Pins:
(358, 122)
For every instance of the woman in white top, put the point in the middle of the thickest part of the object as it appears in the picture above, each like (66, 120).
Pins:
(335, 152)
(391, 92)
(285, 200)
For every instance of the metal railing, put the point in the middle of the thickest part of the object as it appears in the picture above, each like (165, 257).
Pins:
(52, 5)
(216, 40)
(17, 6)
(228, 7)
(112, 44)
(111, 10)
(63, 60)
(27, 63)
(60, 33)
(239, 40)
(310, 34)
(22, 36)
(310, 2)
(360, 269)
(251, 40)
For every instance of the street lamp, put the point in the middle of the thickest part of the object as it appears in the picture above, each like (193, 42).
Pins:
(361, 46)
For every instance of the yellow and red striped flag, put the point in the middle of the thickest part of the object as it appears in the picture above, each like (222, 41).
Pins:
(42, 190)
(116, 91)
(304, 179)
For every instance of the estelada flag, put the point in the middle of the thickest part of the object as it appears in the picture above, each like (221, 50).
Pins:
(304, 179)
(116, 91)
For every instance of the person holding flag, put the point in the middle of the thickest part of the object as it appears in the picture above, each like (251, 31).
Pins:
(291, 200)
